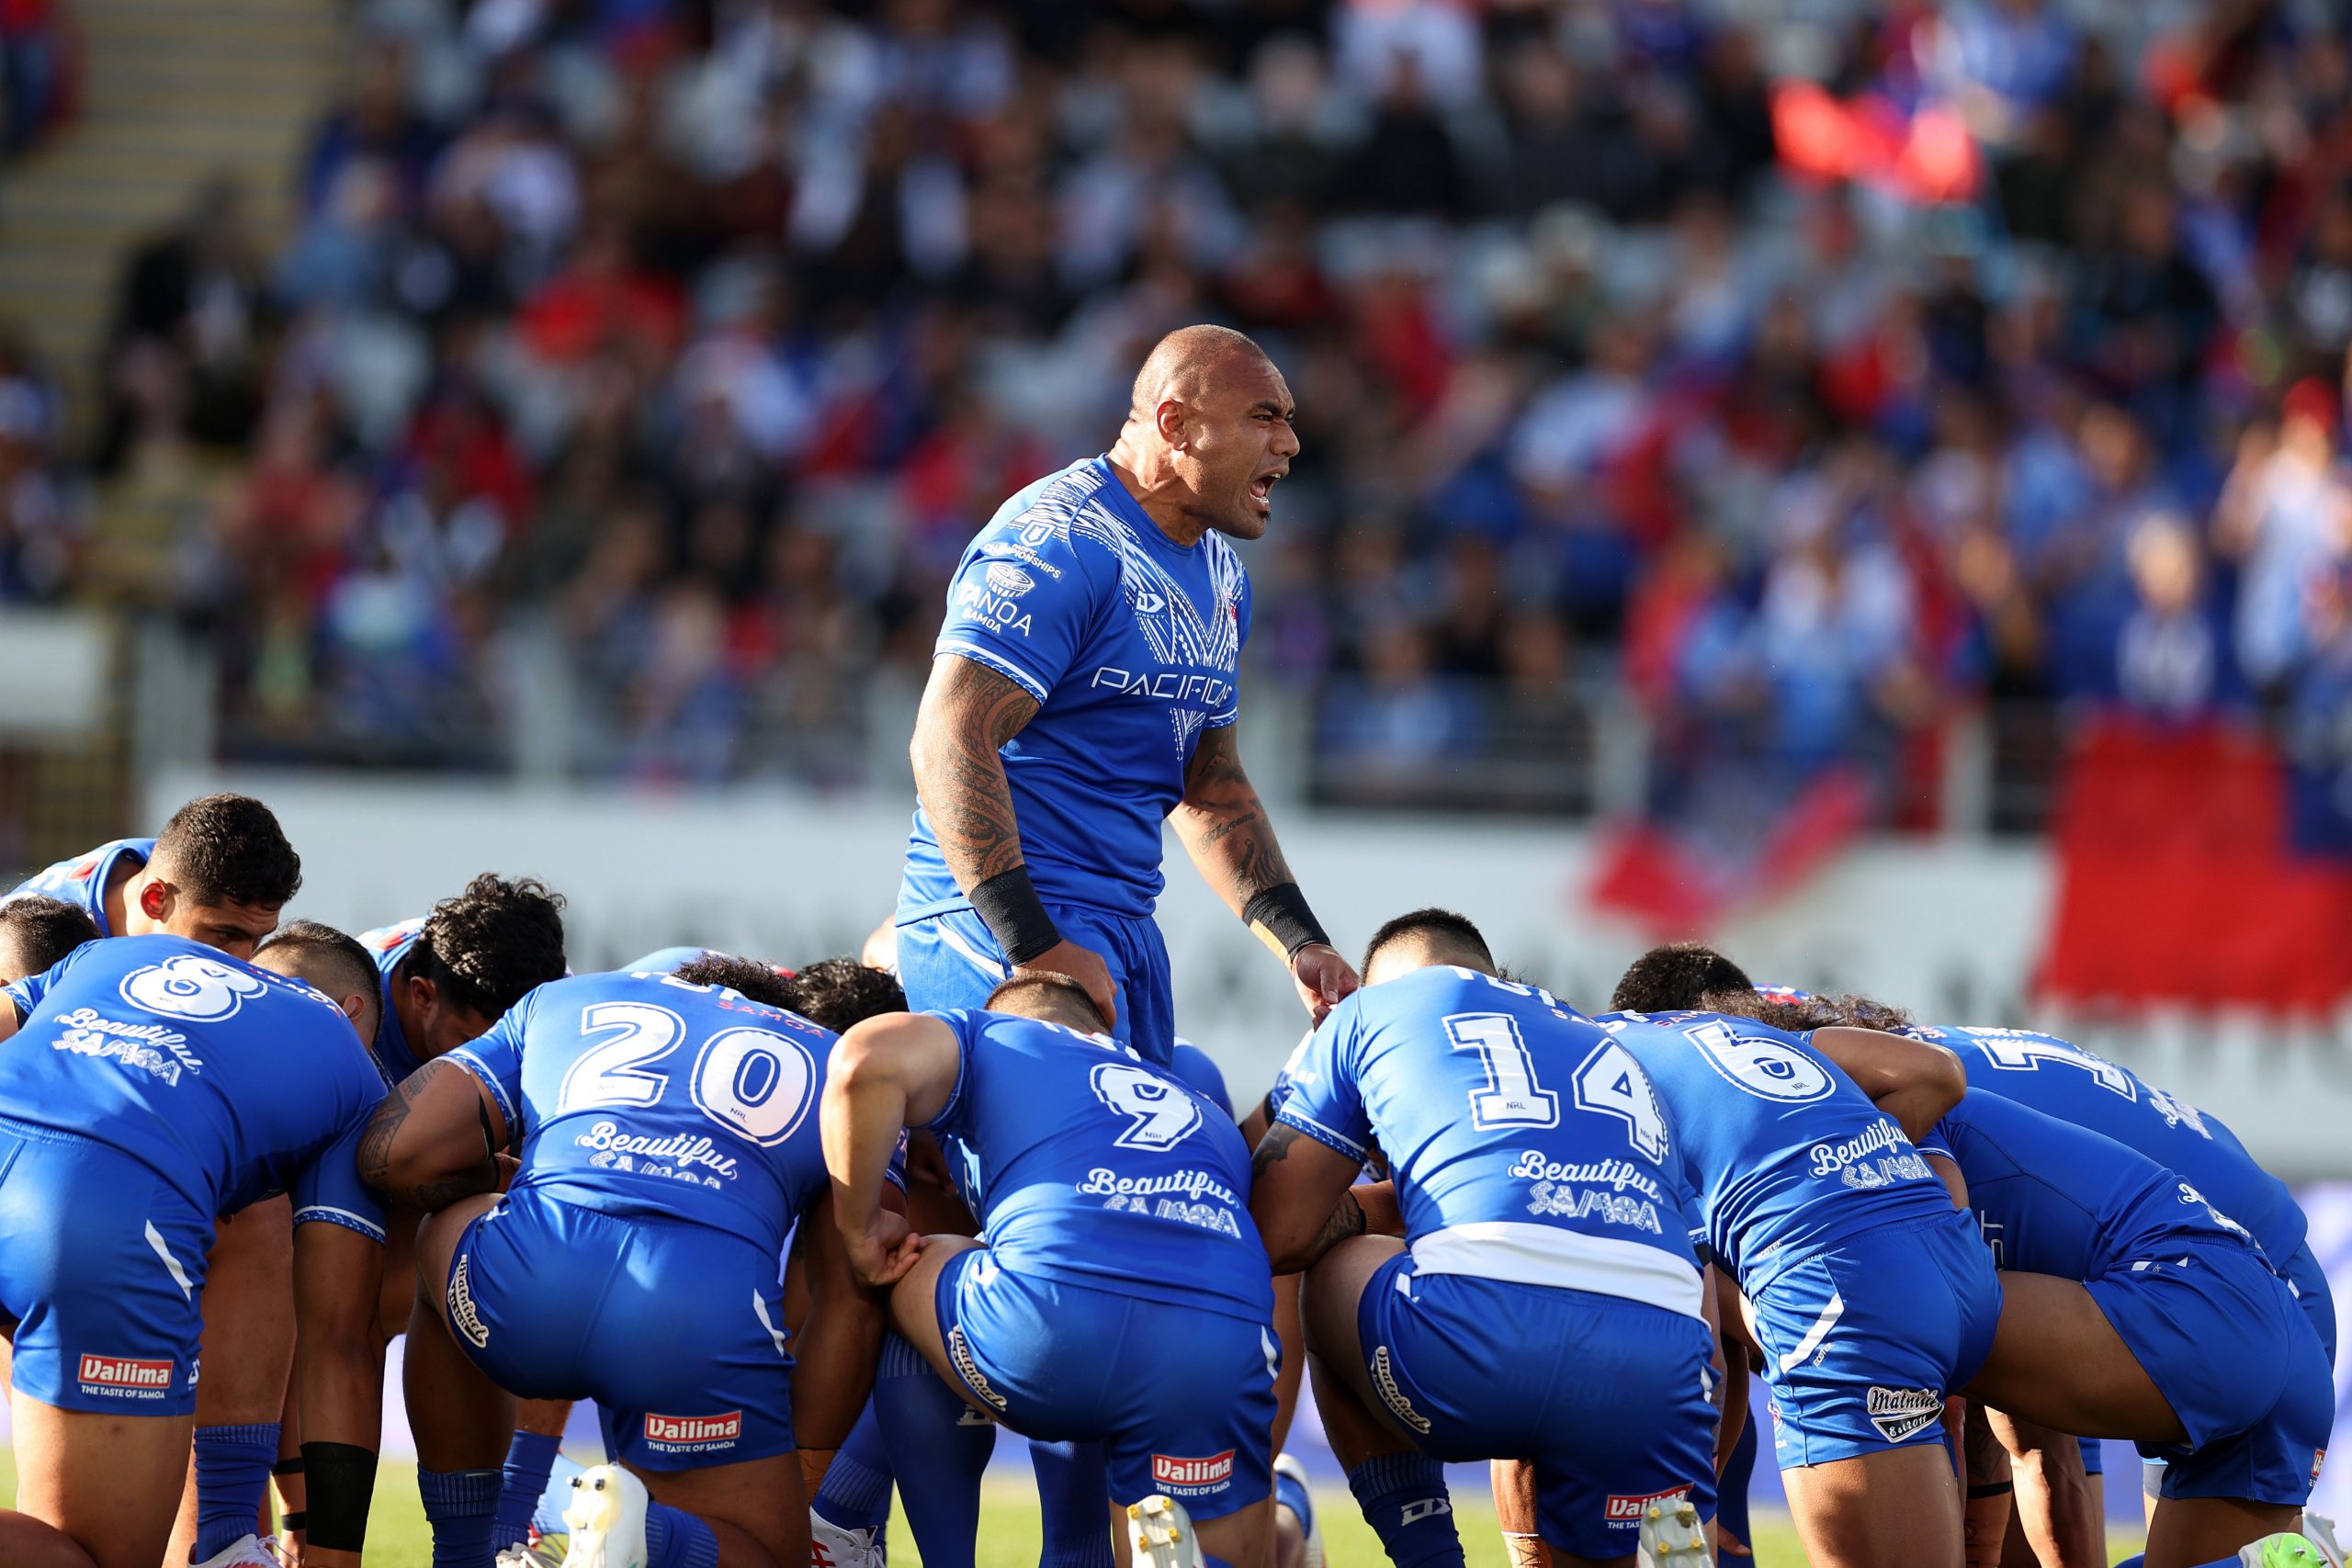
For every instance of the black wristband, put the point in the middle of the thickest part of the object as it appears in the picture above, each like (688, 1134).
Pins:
(1280, 916)
(299, 1519)
(1015, 914)
(342, 1482)
(287, 1466)
(1992, 1489)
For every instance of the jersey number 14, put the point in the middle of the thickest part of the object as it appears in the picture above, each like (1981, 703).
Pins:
(1608, 1082)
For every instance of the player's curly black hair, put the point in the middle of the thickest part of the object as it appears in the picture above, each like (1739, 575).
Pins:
(759, 981)
(839, 992)
(1675, 976)
(228, 849)
(488, 946)
(328, 959)
(36, 930)
(1798, 1014)
(1445, 925)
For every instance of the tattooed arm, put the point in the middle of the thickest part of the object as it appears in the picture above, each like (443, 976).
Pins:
(1231, 840)
(435, 1139)
(968, 712)
(1303, 1199)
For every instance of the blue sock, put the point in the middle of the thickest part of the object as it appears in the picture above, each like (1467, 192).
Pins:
(1405, 1501)
(856, 1493)
(1731, 1491)
(938, 1447)
(529, 1459)
(1289, 1492)
(676, 1539)
(460, 1505)
(2140, 1559)
(232, 1465)
(1074, 1493)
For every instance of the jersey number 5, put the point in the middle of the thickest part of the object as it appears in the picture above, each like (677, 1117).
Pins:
(756, 1084)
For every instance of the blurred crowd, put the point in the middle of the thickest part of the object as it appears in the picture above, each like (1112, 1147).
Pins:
(36, 72)
(1795, 379)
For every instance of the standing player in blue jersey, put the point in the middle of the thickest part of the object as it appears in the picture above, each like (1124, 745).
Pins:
(668, 1145)
(219, 873)
(1121, 1296)
(36, 930)
(1083, 695)
(148, 1084)
(1868, 1293)
(1543, 1302)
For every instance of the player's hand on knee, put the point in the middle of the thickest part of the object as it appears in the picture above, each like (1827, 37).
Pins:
(1324, 978)
(883, 1251)
(1084, 965)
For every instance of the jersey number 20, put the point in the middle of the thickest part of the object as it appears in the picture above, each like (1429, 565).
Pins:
(754, 1083)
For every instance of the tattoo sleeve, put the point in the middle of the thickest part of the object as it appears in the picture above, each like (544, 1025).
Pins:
(1346, 1220)
(426, 1191)
(968, 712)
(1224, 824)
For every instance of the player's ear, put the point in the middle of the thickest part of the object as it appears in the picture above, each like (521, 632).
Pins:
(1173, 424)
(156, 897)
(422, 992)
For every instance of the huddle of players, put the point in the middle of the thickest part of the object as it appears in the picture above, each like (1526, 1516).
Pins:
(1574, 1220)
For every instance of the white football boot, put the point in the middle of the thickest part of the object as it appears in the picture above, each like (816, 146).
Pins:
(1285, 1465)
(248, 1551)
(1672, 1535)
(1161, 1531)
(607, 1520)
(830, 1546)
(2321, 1531)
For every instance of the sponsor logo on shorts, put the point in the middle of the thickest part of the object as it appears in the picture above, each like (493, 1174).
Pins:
(2318, 1459)
(694, 1434)
(1383, 1377)
(461, 1304)
(1192, 1477)
(1625, 1509)
(960, 1352)
(129, 1377)
(1900, 1413)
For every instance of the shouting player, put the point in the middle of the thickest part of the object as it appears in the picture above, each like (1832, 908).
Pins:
(1113, 1202)
(667, 1146)
(149, 1084)
(218, 874)
(1544, 1303)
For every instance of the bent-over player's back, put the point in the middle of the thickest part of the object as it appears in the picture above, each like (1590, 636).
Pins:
(1086, 1164)
(647, 1094)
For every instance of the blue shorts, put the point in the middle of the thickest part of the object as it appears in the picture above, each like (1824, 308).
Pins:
(1607, 1397)
(952, 961)
(1864, 1340)
(101, 1269)
(2094, 1456)
(2308, 1282)
(675, 1330)
(2224, 1342)
(1182, 1399)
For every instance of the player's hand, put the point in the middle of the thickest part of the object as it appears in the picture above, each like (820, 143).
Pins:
(1084, 965)
(1324, 978)
(883, 1251)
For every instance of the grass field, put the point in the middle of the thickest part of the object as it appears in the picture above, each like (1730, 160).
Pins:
(1009, 1530)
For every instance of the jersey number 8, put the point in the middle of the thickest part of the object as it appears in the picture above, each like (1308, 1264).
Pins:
(754, 1083)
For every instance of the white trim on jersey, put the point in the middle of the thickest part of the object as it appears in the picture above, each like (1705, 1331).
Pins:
(481, 1074)
(1568, 1261)
(994, 660)
(994, 967)
(328, 1213)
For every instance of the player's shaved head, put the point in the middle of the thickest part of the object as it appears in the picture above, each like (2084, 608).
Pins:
(1055, 998)
(1674, 975)
(1420, 938)
(37, 930)
(1183, 365)
(335, 964)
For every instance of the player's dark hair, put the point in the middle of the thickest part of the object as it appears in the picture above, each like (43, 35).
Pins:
(759, 981)
(1798, 1014)
(1443, 928)
(228, 849)
(1041, 993)
(335, 963)
(486, 948)
(36, 930)
(1674, 975)
(839, 992)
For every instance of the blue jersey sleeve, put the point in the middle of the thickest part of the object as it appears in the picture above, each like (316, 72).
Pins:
(1324, 1100)
(496, 1062)
(949, 1122)
(330, 1191)
(27, 993)
(1023, 602)
(1231, 712)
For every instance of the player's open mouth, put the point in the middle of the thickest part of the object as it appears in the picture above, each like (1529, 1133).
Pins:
(1262, 488)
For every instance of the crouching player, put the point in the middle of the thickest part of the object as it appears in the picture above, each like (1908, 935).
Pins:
(1112, 1198)
(151, 1083)
(667, 1148)
(1546, 1303)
